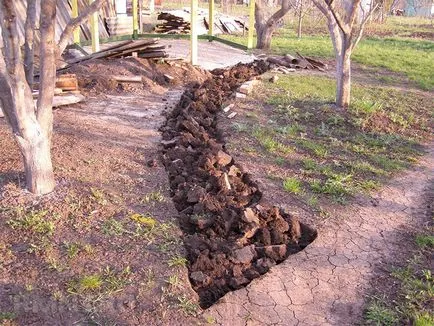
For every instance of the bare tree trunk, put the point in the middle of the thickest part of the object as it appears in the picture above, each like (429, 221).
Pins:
(29, 31)
(264, 34)
(36, 152)
(47, 80)
(265, 27)
(17, 101)
(343, 76)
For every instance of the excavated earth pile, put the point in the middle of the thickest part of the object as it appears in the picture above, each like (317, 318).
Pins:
(230, 237)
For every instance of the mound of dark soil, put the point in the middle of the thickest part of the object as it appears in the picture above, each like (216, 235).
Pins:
(230, 238)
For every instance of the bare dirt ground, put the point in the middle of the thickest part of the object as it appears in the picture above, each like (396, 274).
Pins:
(104, 248)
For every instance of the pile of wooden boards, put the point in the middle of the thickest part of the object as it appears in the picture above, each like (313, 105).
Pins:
(65, 92)
(178, 22)
(172, 24)
(141, 48)
(288, 62)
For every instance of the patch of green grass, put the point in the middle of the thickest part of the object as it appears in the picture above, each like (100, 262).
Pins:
(189, 307)
(153, 197)
(72, 249)
(339, 186)
(269, 143)
(388, 164)
(104, 283)
(412, 303)
(176, 261)
(316, 148)
(425, 240)
(98, 196)
(113, 227)
(292, 185)
(33, 221)
(378, 314)
(5, 316)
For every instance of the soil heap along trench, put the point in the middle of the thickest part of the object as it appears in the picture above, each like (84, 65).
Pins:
(230, 238)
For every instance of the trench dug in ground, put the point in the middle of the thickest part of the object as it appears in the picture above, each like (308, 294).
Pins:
(230, 236)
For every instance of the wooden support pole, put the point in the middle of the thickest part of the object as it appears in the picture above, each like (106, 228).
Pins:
(94, 30)
(211, 18)
(151, 6)
(135, 19)
(76, 34)
(251, 24)
(193, 31)
(140, 16)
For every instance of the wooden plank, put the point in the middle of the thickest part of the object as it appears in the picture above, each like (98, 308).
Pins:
(193, 32)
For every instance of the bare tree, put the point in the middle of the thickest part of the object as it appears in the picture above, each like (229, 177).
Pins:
(346, 25)
(32, 125)
(266, 27)
(301, 9)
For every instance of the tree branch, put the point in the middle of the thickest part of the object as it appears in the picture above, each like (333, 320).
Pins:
(29, 34)
(47, 78)
(75, 23)
(342, 26)
(362, 27)
(353, 13)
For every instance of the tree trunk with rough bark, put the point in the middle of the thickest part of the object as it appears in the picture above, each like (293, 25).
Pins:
(31, 127)
(343, 76)
(266, 27)
(346, 30)
(29, 35)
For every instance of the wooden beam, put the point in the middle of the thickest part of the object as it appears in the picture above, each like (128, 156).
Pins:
(94, 30)
(211, 17)
(135, 19)
(251, 24)
(193, 31)
(76, 34)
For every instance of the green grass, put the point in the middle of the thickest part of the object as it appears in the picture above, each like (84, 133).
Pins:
(377, 313)
(409, 57)
(292, 185)
(339, 153)
(412, 304)
(33, 221)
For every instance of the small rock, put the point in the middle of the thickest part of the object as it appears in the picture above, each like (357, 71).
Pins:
(196, 194)
(274, 79)
(223, 158)
(234, 171)
(275, 252)
(152, 163)
(244, 255)
(249, 216)
(238, 282)
(232, 115)
(240, 95)
(199, 278)
(169, 143)
(264, 264)
(226, 109)
(202, 221)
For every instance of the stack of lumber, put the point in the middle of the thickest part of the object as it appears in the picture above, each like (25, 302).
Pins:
(172, 24)
(65, 92)
(298, 62)
(142, 48)
(178, 22)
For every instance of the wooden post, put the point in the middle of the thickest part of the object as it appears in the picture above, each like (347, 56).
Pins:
(211, 18)
(94, 30)
(151, 6)
(193, 32)
(76, 34)
(135, 20)
(140, 16)
(251, 24)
